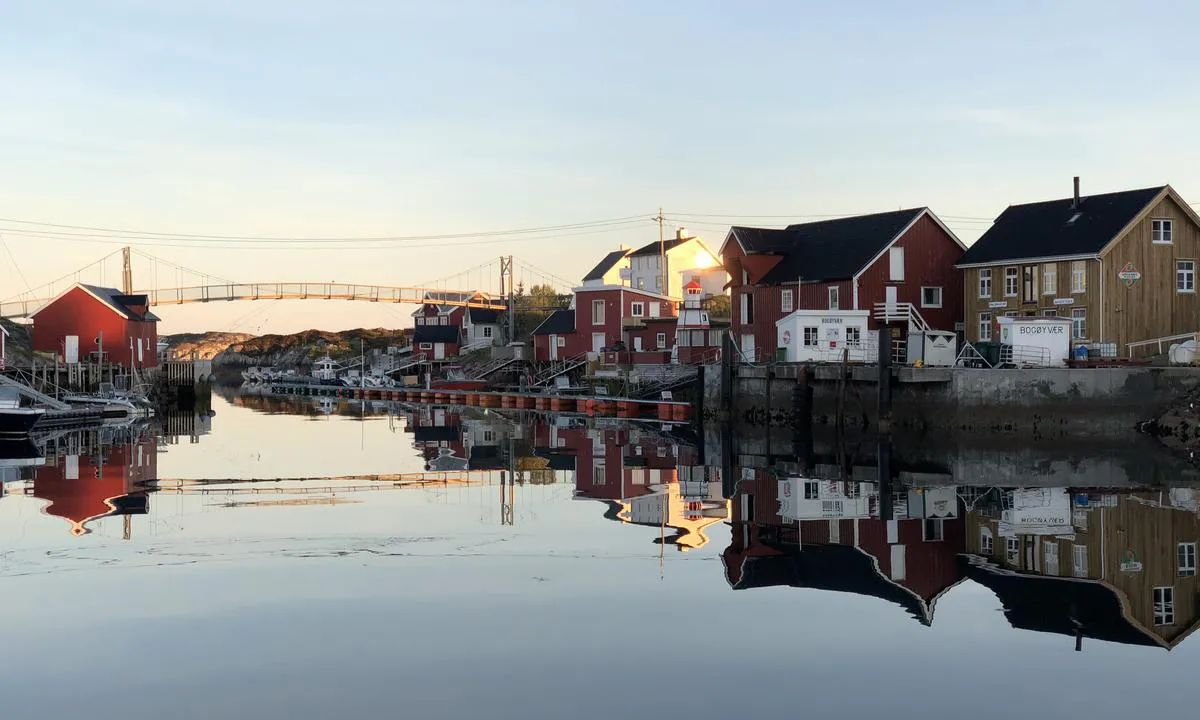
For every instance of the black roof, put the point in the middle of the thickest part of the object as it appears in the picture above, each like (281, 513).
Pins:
(435, 333)
(653, 248)
(1045, 229)
(557, 459)
(1058, 605)
(560, 322)
(437, 433)
(484, 316)
(609, 261)
(827, 249)
(839, 568)
(120, 302)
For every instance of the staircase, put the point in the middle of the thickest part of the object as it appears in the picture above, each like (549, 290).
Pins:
(887, 313)
(33, 395)
(405, 363)
(671, 377)
(482, 370)
(557, 368)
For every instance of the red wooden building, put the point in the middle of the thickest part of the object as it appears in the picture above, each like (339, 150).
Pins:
(86, 487)
(604, 316)
(86, 320)
(900, 259)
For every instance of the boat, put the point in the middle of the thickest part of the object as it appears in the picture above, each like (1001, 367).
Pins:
(456, 379)
(111, 403)
(16, 421)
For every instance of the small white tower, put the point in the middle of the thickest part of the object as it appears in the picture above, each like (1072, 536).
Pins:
(692, 315)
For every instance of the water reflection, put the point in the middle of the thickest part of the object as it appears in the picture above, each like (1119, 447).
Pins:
(1080, 553)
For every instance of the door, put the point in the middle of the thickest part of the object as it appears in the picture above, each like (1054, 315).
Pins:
(891, 298)
(597, 342)
(748, 346)
(553, 347)
(637, 343)
(439, 351)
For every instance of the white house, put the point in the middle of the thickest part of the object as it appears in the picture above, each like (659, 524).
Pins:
(612, 270)
(682, 253)
(824, 335)
(812, 499)
(481, 328)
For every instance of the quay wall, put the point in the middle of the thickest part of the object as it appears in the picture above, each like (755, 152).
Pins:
(1082, 402)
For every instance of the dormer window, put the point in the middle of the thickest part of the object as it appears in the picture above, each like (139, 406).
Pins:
(1161, 232)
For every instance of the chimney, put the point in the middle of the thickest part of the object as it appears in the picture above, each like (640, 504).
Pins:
(1075, 203)
(681, 234)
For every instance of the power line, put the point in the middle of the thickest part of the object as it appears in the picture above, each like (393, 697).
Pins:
(16, 265)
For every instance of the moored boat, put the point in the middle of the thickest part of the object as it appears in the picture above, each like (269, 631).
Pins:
(16, 421)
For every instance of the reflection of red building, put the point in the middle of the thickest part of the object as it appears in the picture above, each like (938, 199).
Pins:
(910, 561)
(609, 464)
(83, 488)
(438, 434)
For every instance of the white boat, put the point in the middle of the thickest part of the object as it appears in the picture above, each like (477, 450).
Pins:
(113, 403)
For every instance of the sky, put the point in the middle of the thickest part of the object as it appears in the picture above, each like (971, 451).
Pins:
(389, 119)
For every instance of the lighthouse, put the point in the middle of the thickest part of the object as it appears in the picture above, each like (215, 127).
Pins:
(692, 316)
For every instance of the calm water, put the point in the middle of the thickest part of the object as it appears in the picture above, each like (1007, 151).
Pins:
(444, 565)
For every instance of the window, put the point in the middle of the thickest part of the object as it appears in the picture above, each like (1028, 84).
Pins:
(562, 341)
(896, 264)
(658, 283)
(833, 298)
(1187, 559)
(1078, 277)
(637, 309)
(1079, 563)
(641, 283)
(1050, 312)
(1050, 556)
(1185, 276)
(933, 530)
(747, 308)
(786, 301)
(812, 490)
(931, 297)
(985, 541)
(660, 340)
(1012, 551)
(1079, 323)
(426, 346)
(487, 331)
(599, 476)
(489, 437)
(1050, 279)
(1164, 606)
(810, 337)
(655, 309)
(597, 312)
(985, 282)
(1161, 231)
(985, 326)
(420, 321)
(1010, 282)
(853, 336)
(1029, 288)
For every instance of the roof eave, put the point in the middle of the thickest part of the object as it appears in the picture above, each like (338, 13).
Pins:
(1028, 260)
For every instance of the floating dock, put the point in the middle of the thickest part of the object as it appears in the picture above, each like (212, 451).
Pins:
(591, 405)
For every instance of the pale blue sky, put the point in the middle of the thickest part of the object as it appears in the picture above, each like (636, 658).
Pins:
(365, 117)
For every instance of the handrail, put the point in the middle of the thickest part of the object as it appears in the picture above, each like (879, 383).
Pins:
(898, 311)
(1158, 341)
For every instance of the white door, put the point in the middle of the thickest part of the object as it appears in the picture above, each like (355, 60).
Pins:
(553, 347)
(637, 343)
(597, 342)
(748, 346)
(439, 351)
(899, 569)
(896, 264)
(890, 297)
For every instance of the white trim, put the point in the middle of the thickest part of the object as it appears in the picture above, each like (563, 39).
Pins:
(941, 293)
(96, 297)
(1027, 261)
(730, 236)
(1170, 222)
(602, 288)
(924, 212)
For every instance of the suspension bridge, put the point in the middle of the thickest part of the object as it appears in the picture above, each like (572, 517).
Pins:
(470, 288)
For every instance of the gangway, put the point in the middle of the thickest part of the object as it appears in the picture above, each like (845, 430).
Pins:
(34, 395)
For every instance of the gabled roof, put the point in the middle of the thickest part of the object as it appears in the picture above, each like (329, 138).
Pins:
(826, 250)
(560, 322)
(439, 298)
(608, 263)
(654, 249)
(484, 316)
(112, 298)
(435, 333)
(1046, 229)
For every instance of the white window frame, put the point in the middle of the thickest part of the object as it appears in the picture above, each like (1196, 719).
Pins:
(637, 309)
(834, 299)
(985, 282)
(1186, 556)
(933, 530)
(896, 264)
(937, 304)
(747, 309)
(425, 346)
(1079, 563)
(1050, 279)
(1012, 281)
(599, 473)
(1078, 277)
(813, 332)
(1079, 323)
(597, 312)
(853, 336)
(1163, 602)
(486, 331)
(985, 327)
(1049, 312)
(1185, 277)
(1162, 231)
(1012, 551)
(986, 546)
(660, 340)
(787, 301)
(562, 341)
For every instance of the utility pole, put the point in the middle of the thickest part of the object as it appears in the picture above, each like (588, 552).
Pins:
(662, 254)
(126, 272)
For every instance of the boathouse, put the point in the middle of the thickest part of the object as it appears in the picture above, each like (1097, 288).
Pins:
(899, 266)
(555, 339)
(93, 323)
(1120, 265)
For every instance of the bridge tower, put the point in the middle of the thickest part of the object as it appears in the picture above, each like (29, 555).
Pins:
(506, 276)
(126, 272)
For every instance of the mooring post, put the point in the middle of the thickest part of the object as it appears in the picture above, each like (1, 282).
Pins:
(802, 409)
(885, 379)
(727, 390)
(883, 466)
